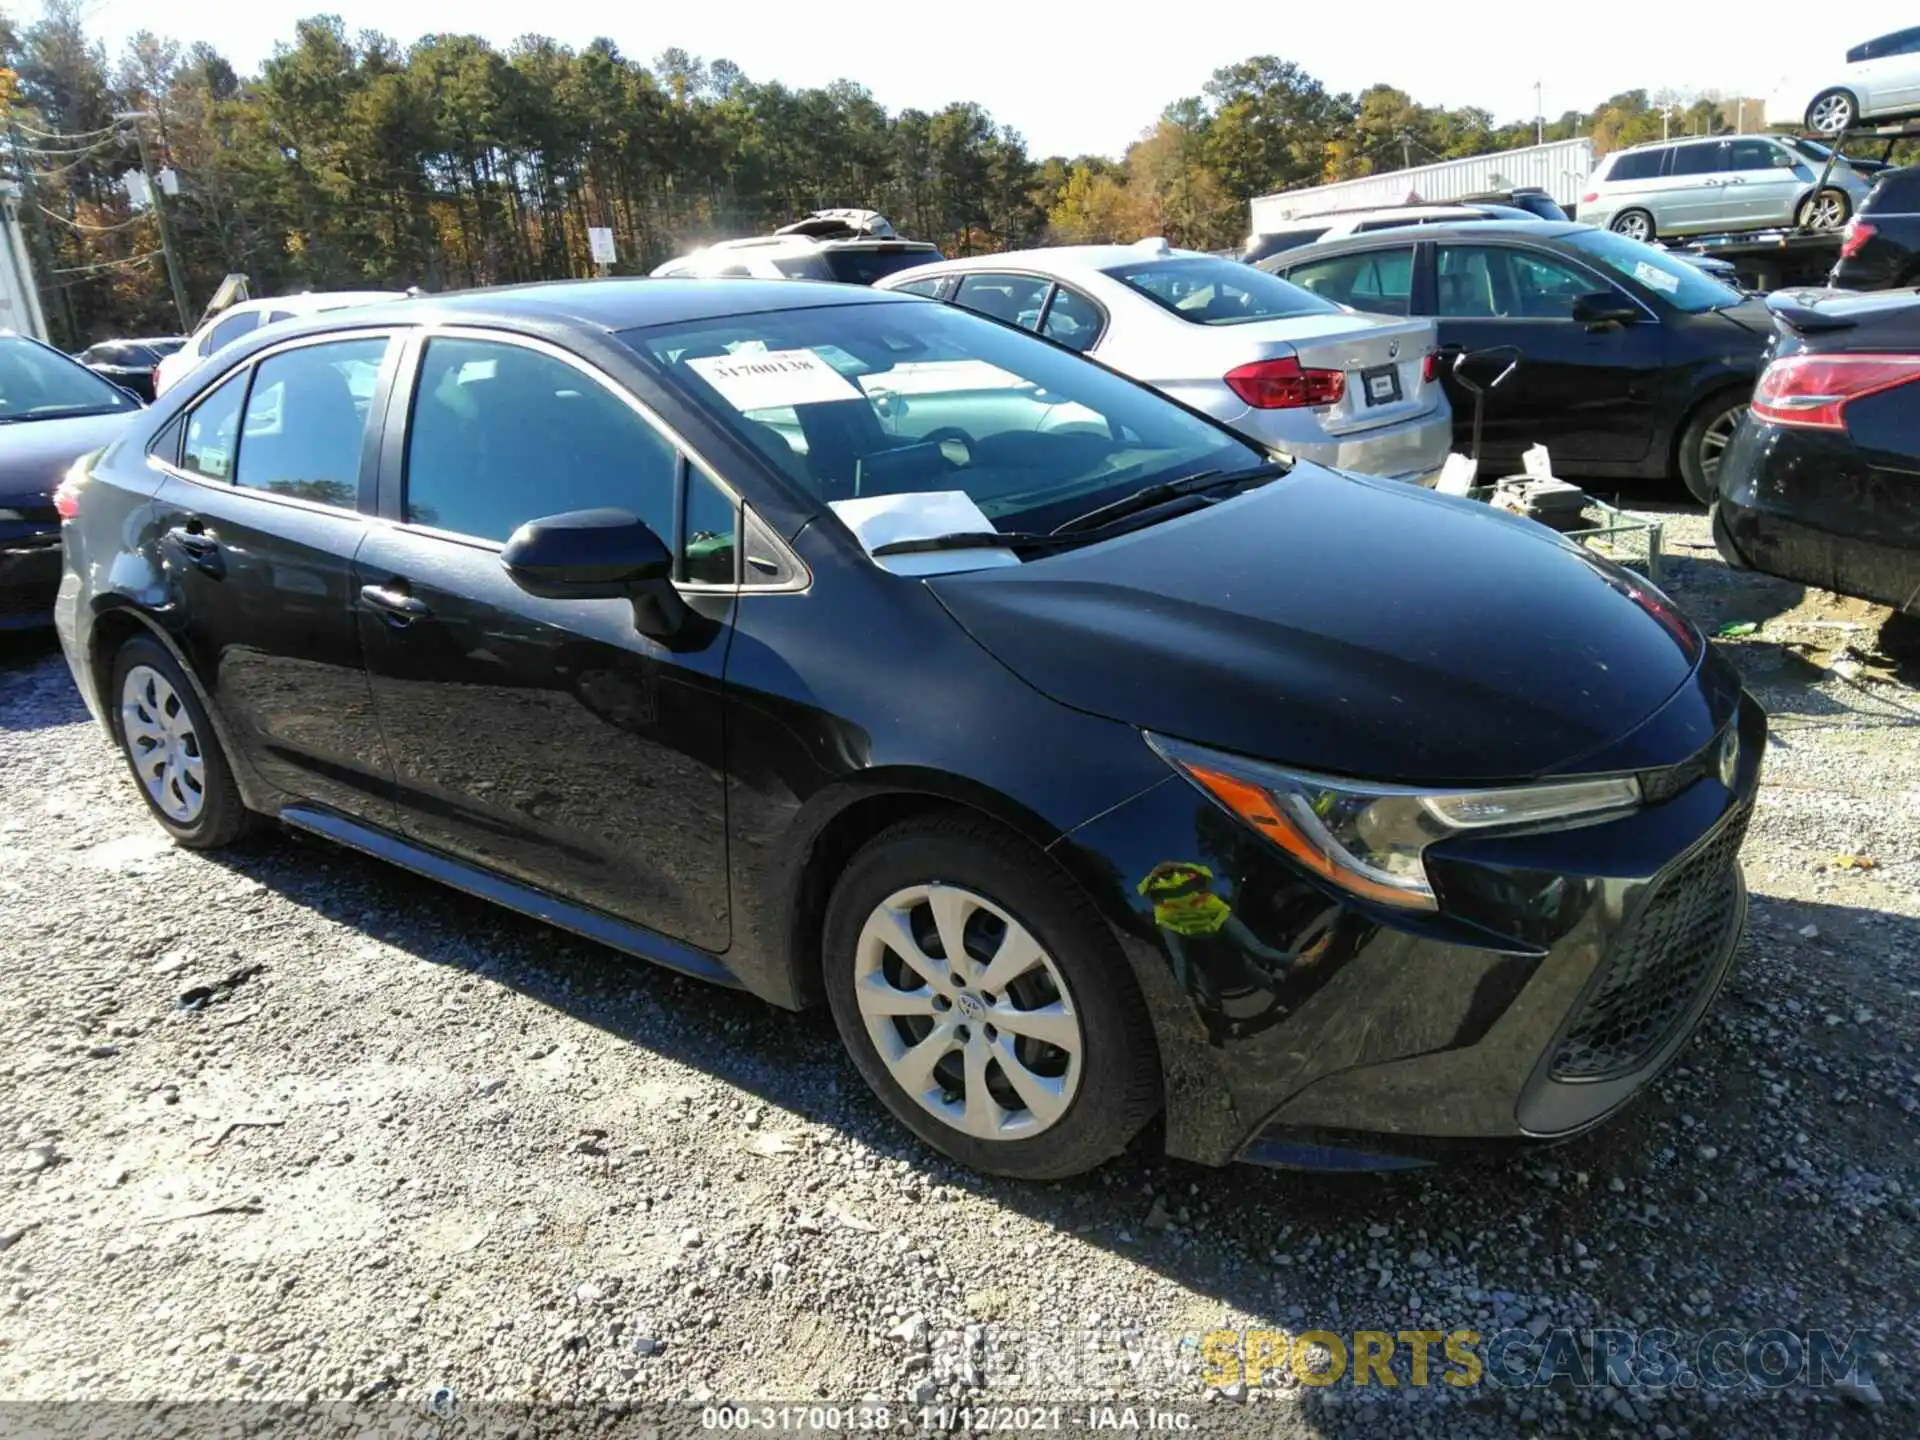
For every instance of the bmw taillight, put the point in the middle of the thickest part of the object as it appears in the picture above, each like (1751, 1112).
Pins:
(1854, 237)
(1429, 367)
(1284, 384)
(1813, 391)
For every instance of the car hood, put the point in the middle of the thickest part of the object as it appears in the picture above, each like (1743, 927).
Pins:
(34, 454)
(1348, 625)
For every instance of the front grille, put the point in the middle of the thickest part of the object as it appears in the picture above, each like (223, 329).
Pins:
(1656, 968)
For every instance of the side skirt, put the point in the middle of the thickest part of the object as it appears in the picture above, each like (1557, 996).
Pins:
(593, 924)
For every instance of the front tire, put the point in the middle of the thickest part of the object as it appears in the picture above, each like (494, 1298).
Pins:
(1634, 224)
(1833, 112)
(171, 750)
(1704, 441)
(985, 1002)
(1828, 210)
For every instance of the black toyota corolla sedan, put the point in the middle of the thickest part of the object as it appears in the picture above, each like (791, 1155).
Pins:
(1087, 762)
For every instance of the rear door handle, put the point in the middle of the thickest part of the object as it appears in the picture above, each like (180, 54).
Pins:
(394, 603)
(200, 546)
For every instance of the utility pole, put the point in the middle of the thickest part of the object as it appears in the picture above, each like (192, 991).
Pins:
(1539, 117)
(160, 218)
(23, 168)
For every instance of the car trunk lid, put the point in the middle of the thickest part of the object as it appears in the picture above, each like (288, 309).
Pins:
(1383, 360)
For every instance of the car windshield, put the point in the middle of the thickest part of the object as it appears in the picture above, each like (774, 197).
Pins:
(1207, 291)
(864, 267)
(854, 401)
(39, 384)
(1681, 285)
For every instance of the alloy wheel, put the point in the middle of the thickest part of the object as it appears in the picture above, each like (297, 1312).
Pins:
(968, 1013)
(163, 744)
(1826, 211)
(1634, 226)
(1714, 441)
(1831, 114)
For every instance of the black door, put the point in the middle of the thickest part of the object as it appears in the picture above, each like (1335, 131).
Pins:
(260, 546)
(548, 740)
(1587, 394)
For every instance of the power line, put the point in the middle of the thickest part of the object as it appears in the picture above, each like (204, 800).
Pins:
(26, 129)
(92, 229)
(109, 264)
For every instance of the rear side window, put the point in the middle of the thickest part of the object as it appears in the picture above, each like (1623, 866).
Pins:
(213, 431)
(1209, 291)
(1635, 165)
(1380, 281)
(1264, 246)
(920, 287)
(1896, 192)
(1699, 160)
(232, 328)
(1073, 320)
(1015, 299)
(307, 419)
(502, 434)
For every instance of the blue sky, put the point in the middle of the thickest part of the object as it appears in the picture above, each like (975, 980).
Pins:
(1089, 77)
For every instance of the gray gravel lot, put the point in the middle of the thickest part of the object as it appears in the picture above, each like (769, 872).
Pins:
(284, 1123)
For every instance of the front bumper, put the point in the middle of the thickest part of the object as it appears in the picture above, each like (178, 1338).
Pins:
(1565, 970)
(29, 578)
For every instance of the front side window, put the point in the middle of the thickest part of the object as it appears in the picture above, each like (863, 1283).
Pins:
(1380, 281)
(710, 546)
(1210, 291)
(213, 430)
(501, 434)
(1756, 155)
(306, 421)
(853, 401)
(1495, 282)
(41, 384)
(1015, 299)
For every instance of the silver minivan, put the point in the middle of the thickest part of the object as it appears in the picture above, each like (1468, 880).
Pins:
(1727, 182)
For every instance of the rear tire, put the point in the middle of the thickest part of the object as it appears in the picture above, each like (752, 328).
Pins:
(171, 750)
(1039, 1063)
(1827, 210)
(1704, 441)
(1833, 112)
(1634, 224)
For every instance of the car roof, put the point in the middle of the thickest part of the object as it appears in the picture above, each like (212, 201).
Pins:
(1074, 259)
(1411, 235)
(622, 303)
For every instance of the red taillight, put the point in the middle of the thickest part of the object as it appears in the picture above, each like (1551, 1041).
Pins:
(155, 378)
(1429, 367)
(1590, 197)
(1284, 385)
(1814, 390)
(1857, 234)
(66, 497)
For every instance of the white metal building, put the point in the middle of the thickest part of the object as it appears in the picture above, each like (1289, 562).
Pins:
(1560, 168)
(19, 296)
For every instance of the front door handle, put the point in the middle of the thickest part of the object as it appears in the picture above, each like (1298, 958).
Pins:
(200, 547)
(394, 603)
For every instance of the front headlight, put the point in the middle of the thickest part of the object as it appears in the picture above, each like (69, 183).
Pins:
(1371, 840)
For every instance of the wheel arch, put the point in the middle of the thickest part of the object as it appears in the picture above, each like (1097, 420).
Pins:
(111, 628)
(835, 825)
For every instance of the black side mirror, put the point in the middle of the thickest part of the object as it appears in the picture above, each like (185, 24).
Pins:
(1603, 309)
(598, 555)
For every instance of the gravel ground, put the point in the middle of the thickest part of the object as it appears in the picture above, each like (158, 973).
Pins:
(287, 1124)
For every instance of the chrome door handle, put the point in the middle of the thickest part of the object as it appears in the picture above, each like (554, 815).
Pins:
(397, 606)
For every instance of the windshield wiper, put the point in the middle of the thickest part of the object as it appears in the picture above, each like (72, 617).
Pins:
(1197, 483)
(973, 540)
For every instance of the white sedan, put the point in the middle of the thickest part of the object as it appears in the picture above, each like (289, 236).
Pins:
(1879, 81)
(1285, 367)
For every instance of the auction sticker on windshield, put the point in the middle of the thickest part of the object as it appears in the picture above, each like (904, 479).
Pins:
(1655, 278)
(770, 378)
